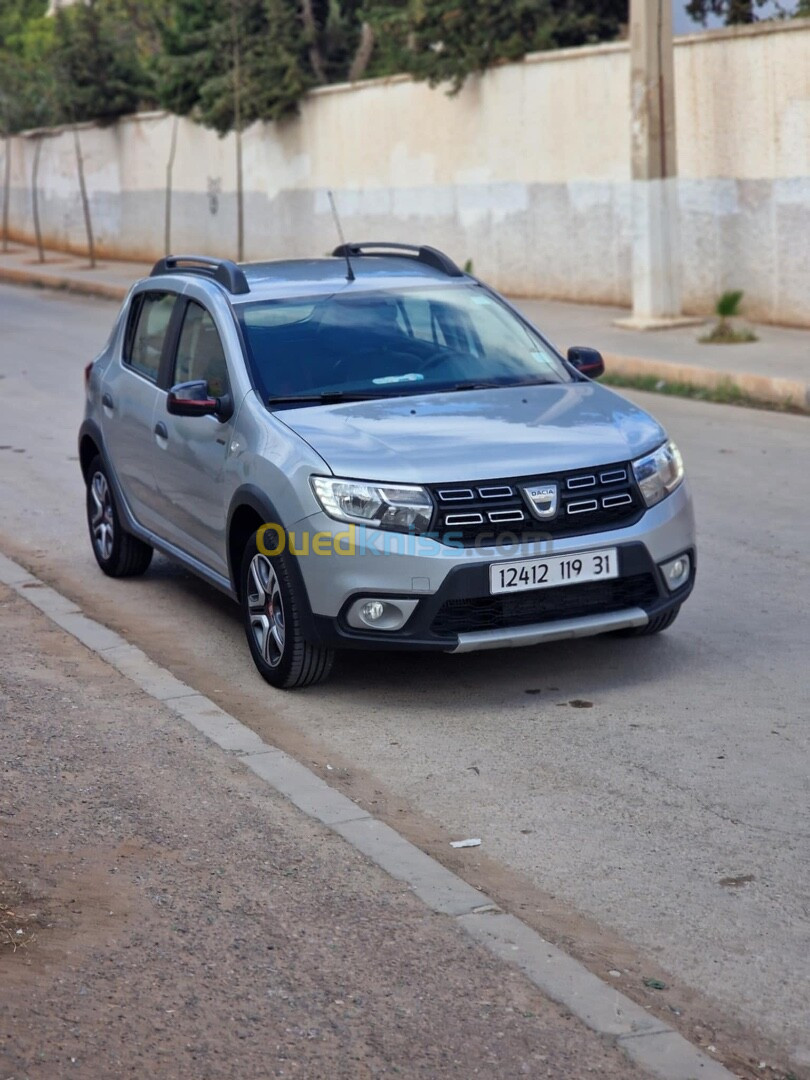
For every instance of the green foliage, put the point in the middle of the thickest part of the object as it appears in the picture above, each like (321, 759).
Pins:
(97, 63)
(28, 95)
(82, 64)
(229, 62)
(733, 12)
(724, 332)
(724, 392)
(447, 40)
(728, 305)
(220, 55)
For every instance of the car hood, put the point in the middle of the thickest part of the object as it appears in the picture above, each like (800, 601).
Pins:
(476, 434)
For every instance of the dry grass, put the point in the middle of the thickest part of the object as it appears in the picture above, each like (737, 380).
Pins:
(17, 921)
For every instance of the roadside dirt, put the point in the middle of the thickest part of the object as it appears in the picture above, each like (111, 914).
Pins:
(701, 1020)
(188, 923)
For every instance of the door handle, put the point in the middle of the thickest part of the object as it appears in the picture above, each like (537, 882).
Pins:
(107, 401)
(160, 430)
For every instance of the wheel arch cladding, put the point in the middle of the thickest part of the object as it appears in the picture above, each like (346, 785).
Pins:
(244, 521)
(88, 449)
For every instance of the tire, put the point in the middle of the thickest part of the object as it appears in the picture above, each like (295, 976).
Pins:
(271, 611)
(655, 626)
(117, 552)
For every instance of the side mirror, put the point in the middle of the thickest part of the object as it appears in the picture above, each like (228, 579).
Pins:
(587, 361)
(194, 399)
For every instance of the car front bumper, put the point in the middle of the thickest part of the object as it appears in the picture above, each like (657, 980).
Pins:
(454, 611)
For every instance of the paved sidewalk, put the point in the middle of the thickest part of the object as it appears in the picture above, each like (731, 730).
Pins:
(775, 370)
(188, 922)
(782, 352)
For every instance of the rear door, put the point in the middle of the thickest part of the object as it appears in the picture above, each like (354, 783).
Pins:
(189, 470)
(129, 398)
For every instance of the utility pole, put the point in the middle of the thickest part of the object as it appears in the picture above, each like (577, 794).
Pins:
(656, 233)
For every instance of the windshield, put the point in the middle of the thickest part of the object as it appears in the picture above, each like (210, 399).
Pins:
(386, 343)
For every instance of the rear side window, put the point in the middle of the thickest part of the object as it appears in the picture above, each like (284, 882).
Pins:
(146, 332)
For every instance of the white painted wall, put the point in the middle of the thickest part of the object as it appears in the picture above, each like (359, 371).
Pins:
(526, 171)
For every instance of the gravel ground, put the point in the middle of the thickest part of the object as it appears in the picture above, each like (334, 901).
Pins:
(187, 922)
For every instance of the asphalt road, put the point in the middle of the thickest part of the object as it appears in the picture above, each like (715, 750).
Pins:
(671, 817)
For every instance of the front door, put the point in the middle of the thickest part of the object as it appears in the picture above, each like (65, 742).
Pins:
(190, 465)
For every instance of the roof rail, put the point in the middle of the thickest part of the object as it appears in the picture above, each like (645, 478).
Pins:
(429, 255)
(224, 271)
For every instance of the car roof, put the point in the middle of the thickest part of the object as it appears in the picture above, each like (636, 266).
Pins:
(291, 277)
(278, 278)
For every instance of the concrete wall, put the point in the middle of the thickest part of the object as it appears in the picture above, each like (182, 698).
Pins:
(526, 171)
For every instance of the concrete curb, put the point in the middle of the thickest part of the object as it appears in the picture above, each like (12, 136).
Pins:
(649, 1042)
(759, 388)
(767, 389)
(62, 282)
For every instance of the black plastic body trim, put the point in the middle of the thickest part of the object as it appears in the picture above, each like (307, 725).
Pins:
(90, 429)
(249, 495)
(430, 256)
(470, 582)
(224, 271)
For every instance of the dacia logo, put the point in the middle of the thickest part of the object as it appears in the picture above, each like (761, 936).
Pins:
(544, 499)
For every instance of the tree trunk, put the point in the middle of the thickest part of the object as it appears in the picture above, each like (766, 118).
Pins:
(35, 198)
(88, 223)
(237, 123)
(167, 233)
(6, 191)
(361, 59)
(311, 31)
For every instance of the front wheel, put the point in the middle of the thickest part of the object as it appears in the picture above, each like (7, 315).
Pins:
(272, 617)
(118, 553)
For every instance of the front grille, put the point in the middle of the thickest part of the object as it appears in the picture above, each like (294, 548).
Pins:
(544, 605)
(589, 500)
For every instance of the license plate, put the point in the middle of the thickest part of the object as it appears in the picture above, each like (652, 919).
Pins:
(556, 570)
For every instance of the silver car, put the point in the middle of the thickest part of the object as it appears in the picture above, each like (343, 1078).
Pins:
(375, 450)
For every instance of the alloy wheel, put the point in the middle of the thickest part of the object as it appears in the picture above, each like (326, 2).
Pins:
(101, 516)
(266, 610)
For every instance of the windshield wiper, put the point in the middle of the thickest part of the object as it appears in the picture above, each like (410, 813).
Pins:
(327, 398)
(497, 385)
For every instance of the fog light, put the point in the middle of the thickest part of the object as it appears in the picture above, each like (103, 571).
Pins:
(372, 611)
(373, 614)
(676, 572)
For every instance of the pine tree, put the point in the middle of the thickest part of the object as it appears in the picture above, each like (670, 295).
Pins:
(447, 40)
(28, 91)
(731, 11)
(97, 64)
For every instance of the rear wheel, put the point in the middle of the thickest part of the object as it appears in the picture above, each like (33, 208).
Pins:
(272, 617)
(656, 624)
(118, 553)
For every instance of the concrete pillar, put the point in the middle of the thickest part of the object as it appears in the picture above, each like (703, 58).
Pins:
(656, 236)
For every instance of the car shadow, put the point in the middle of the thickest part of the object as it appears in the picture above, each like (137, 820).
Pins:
(576, 669)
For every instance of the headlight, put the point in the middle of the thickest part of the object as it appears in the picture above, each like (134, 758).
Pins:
(387, 506)
(659, 473)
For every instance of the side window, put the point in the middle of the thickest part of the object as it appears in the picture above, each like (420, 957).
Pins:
(148, 323)
(199, 352)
